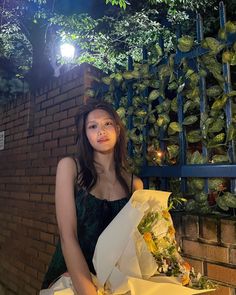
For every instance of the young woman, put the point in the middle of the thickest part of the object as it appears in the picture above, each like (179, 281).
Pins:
(90, 191)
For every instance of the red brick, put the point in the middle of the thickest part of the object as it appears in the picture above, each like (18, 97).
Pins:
(60, 116)
(209, 228)
(206, 251)
(53, 92)
(41, 98)
(68, 104)
(46, 237)
(51, 144)
(67, 141)
(228, 231)
(232, 258)
(191, 226)
(222, 273)
(47, 103)
(67, 122)
(59, 133)
(221, 290)
(53, 110)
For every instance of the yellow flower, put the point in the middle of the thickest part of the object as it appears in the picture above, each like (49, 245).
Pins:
(185, 279)
(149, 242)
(165, 214)
(171, 230)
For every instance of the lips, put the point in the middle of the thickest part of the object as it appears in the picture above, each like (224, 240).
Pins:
(101, 140)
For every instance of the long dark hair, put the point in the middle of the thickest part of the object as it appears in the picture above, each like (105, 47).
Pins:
(87, 175)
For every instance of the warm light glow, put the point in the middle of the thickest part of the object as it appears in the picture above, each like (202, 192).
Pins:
(67, 50)
(159, 154)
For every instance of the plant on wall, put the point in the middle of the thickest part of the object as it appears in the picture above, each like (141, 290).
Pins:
(159, 87)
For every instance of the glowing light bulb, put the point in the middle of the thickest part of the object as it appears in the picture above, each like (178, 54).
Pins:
(67, 50)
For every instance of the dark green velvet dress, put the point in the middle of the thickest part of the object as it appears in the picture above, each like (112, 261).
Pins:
(93, 215)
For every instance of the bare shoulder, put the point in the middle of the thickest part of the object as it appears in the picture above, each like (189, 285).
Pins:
(137, 183)
(67, 165)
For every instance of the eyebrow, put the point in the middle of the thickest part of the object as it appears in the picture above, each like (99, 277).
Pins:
(94, 121)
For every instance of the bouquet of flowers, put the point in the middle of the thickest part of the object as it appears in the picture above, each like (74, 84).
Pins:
(143, 256)
(137, 254)
(158, 232)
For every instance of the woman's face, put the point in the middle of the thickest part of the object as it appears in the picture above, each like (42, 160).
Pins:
(101, 130)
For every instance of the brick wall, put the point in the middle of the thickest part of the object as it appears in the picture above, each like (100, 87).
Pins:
(39, 130)
(209, 244)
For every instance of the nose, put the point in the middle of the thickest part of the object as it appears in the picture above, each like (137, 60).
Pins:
(101, 130)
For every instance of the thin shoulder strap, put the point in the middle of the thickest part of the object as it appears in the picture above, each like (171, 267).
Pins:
(131, 185)
(77, 166)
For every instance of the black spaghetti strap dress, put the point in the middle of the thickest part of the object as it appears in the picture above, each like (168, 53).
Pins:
(93, 215)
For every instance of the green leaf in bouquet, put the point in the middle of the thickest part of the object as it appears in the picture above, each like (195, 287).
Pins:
(163, 119)
(197, 158)
(217, 125)
(138, 122)
(154, 94)
(194, 136)
(214, 91)
(198, 183)
(174, 105)
(190, 120)
(173, 151)
(220, 158)
(216, 184)
(173, 128)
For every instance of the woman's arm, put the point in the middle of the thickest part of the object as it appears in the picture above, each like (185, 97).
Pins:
(67, 223)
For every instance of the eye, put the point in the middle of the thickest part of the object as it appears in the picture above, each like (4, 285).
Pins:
(109, 123)
(92, 126)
